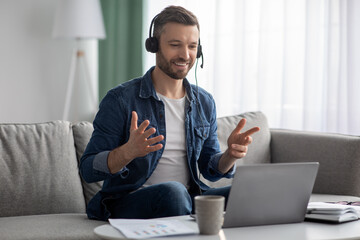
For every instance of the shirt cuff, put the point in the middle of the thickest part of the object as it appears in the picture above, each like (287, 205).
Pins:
(214, 163)
(100, 162)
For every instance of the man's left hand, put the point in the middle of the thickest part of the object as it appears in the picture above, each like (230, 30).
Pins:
(238, 142)
(237, 146)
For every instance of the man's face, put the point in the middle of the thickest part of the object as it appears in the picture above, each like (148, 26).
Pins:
(177, 49)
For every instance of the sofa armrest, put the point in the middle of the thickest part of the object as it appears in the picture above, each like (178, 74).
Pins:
(338, 155)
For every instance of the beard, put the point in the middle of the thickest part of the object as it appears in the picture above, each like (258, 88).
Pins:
(165, 66)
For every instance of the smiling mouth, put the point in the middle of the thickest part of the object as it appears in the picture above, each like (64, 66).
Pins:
(182, 64)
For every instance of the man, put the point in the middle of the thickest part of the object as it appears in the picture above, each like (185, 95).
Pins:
(152, 134)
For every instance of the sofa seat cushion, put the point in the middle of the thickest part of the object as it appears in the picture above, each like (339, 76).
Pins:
(38, 170)
(47, 227)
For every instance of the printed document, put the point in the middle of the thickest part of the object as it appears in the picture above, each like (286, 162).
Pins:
(141, 229)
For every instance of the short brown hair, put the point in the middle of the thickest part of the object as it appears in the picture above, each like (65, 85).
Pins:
(174, 14)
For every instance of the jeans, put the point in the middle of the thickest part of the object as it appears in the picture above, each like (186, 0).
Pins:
(159, 200)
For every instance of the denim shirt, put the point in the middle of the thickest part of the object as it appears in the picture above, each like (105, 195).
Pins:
(112, 129)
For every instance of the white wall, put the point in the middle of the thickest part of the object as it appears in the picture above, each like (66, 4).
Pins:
(34, 67)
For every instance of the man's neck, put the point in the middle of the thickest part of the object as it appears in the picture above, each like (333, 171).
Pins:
(167, 86)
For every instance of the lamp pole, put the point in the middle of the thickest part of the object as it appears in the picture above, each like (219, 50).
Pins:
(78, 19)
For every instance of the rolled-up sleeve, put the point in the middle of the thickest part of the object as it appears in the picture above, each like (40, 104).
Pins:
(107, 135)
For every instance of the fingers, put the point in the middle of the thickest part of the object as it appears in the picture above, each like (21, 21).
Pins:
(154, 140)
(249, 140)
(239, 148)
(251, 131)
(240, 125)
(154, 148)
(134, 119)
(143, 126)
(246, 141)
(148, 132)
(238, 151)
(141, 129)
(237, 155)
(150, 145)
(139, 137)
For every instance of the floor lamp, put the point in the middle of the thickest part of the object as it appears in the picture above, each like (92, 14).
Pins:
(78, 20)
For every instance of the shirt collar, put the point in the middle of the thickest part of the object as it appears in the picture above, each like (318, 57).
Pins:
(147, 87)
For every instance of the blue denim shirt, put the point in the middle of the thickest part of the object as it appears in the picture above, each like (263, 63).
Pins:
(112, 129)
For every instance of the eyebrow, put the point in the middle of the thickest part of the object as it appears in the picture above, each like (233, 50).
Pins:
(178, 41)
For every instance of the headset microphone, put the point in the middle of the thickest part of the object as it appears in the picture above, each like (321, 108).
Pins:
(200, 54)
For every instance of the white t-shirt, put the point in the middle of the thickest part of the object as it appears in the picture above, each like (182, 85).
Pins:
(172, 165)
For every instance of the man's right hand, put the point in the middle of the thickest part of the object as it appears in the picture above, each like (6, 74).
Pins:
(138, 145)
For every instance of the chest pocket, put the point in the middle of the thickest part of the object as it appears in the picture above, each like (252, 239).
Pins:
(201, 134)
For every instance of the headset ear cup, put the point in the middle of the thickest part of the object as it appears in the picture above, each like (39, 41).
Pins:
(151, 45)
(199, 51)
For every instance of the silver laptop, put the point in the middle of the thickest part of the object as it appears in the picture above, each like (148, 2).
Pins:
(264, 194)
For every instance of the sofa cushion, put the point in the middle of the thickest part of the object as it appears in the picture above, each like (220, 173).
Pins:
(46, 227)
(338, 155)
(38, 170)
(258, 151)
(82, 133)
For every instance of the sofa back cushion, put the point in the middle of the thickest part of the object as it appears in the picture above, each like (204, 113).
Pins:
(258, 151)
(338, 155)
(38, 170)
(82, 133)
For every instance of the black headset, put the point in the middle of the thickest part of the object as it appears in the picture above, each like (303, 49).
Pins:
(152, 44)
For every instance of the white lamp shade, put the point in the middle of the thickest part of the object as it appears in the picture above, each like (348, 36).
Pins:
(79, 19)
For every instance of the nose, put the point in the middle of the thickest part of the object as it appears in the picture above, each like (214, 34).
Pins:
(185, 53)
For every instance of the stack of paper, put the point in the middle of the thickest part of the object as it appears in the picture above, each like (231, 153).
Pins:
(140, 229)
(332, 212)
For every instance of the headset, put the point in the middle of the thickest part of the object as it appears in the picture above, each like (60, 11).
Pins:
(152, 44)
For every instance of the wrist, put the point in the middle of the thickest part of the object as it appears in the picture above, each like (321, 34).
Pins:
(226, 162)
(118, 158)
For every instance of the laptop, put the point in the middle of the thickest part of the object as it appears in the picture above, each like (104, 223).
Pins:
(265, 194)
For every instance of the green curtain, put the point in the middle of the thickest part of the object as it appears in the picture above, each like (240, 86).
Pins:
(120, 54)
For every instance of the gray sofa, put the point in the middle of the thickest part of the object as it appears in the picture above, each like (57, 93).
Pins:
(42, 195)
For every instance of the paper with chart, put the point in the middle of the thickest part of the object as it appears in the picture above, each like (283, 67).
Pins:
(141, 229)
